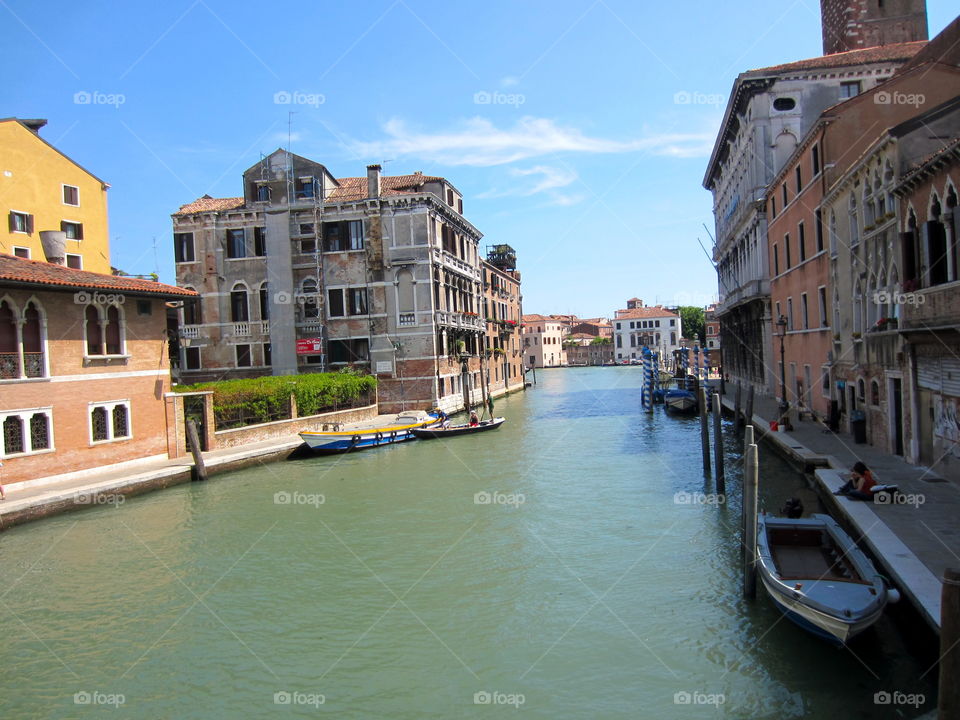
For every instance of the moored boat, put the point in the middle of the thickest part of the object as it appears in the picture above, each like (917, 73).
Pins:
(438, 431)
(678, 400)
(817, 576)
(367, 435)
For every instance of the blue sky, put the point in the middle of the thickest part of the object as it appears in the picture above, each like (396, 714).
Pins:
(578, 131)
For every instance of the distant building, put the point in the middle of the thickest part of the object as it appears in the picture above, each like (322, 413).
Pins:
(503, 311)
(586, 349)
(543, 341)
(84, 370)
(45, 191)
(656, 327)
(856, 24)
(712, 329)
(597, 327)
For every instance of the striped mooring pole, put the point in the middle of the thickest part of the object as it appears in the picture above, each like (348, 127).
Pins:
(646, 396)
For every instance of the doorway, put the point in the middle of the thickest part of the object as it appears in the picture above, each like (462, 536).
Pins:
(895, 393)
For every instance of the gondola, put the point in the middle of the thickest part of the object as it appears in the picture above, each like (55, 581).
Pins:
(436, 431)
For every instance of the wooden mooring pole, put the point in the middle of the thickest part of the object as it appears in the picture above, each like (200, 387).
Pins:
(948, 703)
(199, 469)
(718, 445)
(704, 430)
(751, 477)
(748, 415)
(736, 408)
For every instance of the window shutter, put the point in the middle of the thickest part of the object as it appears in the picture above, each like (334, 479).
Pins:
(30, 224)
(11, 222)
(63, 226)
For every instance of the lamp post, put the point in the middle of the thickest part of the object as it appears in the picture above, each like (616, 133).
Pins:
(784, 407)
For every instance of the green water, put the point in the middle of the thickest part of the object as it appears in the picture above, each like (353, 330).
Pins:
(584, 590)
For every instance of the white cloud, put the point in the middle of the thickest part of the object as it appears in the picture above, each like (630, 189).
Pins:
(509, 81)
(479, 143)
(545, 178)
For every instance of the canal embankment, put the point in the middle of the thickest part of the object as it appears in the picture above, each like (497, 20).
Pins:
(912, 533)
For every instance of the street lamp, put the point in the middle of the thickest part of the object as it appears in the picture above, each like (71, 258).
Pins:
(784, 405)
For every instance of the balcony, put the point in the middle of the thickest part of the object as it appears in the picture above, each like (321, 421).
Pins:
(264, 327)
(407, 319)
(750, 290)
(461, 321)
(10, 365)
(455, 263)
(241, 329)
(190, 331)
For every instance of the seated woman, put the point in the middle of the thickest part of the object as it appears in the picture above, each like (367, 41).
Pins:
(860, 485)
(474, 420)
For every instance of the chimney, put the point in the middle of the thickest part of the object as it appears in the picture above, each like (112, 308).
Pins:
(373, 181)
(54, 244)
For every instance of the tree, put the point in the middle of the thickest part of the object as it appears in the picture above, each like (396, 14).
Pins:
(601, 341)
(692, 320)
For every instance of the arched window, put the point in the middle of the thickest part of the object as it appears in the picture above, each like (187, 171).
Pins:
(858, 309)
(98, 424)
(874, 392)
(239, 308)
(33, 341)
(192, 311)
(264, 301)
(114, 332)
(9, 344)
(854, 221)
(120, 424)
(94, 333)
(861, 390)
(872, 304)
(833, 233)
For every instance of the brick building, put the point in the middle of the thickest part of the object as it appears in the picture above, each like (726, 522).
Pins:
(503, 311)
(857, 24)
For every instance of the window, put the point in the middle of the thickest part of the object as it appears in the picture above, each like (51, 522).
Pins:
(815, 159)
(790, 313)
(356, 234)
(74, 230)
(799, 179)
(264, 301)
(27, 431)
(192, 311)
(773, 206)
(801, 242)
(239, 310)
(818, 228)
(804, 316)
(112, 333)
(74, 261)
(243, 355)
(783, 193)
(183, 247)
(349, 351)
(308, 246)
(783, 104)
(849, 89)
(71, 195)
(786, 249)
(358, 301)
(144, 307)
(305, 187)
(259, 241)
(21, 252)
(21, 222)
(267, 354)
(263, 193)
(874, 392)
(309, 291)
(191, 356)
(110, 421)
(335, 303)
(104, 331)
(93, 330)
(822, 294)
(236, 244)
(776, 259)
(825, 380)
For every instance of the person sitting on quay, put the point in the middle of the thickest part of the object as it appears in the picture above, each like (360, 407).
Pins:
(860, 484)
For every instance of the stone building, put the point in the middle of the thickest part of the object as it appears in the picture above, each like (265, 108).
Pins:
(543, 341)
(309, 272)
(654, 326)
(503, 311)
(856, 24)
(769, 111)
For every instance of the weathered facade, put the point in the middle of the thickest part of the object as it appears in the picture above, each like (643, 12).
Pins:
(503, 311)
(309, 272)
(856, 24)
(543, 342)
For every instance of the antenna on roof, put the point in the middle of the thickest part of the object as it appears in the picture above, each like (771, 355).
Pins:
(290, 114)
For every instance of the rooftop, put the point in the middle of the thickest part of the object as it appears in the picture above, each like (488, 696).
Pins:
(881, 53)
(19, 271)
(645, 313)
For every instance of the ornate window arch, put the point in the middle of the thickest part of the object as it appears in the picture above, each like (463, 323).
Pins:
(239, 303)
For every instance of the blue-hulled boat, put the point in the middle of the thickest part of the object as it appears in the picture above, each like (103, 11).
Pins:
(683, 397)
(817, 576)
(368, 435)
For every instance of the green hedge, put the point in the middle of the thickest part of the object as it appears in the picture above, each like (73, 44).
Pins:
(250, 401)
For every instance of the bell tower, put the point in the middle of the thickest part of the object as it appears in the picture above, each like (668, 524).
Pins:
(858, 24)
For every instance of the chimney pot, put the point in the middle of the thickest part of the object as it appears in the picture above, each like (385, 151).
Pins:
(373, 181)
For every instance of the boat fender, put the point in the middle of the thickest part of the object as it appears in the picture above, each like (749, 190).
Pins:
(379, 437)
(354, 441)
(393, 435)
(893, 595)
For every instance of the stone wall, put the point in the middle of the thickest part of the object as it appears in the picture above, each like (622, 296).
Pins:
(285, 428)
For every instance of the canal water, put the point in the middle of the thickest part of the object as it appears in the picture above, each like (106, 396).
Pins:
(573, 564)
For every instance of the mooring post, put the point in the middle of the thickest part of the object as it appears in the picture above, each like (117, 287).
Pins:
(199, 469)
(747, 442)
(704, 430)
(747, 438)
(736, 408)
(948, 703)
(718, 445)
(748, 415)
(751, 475)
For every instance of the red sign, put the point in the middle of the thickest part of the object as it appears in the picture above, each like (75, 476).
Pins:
(310, 346)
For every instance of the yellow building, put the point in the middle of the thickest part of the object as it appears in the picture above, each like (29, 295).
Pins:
(42, 189)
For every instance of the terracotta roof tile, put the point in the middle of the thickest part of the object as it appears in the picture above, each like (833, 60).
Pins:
(355, 188)
(656, 311)
(210, 204)
(14, 270)
(882, 53)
